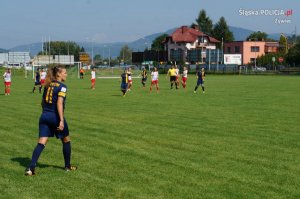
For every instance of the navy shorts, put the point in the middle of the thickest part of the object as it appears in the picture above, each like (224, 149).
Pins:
(37, 83)
(200, 82)
(48, 126)
(144, 79)
(123, 86)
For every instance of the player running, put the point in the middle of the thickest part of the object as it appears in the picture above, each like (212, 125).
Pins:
(124, 82)
(129, 79)
(184, 77)
(154, 80)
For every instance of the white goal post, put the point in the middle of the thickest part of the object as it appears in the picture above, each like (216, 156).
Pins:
(34, 67)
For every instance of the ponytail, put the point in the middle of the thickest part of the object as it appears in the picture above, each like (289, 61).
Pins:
(51, 74)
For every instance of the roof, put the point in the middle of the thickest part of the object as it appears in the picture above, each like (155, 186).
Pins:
(189, 35)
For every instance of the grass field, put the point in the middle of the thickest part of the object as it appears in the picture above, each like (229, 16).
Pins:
(241, 139)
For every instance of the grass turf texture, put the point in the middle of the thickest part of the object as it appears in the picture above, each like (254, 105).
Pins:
(238, 140)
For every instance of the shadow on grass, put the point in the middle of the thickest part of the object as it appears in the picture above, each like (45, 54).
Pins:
(25, 162)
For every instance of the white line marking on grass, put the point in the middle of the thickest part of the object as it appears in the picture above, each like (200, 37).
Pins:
(114, 77)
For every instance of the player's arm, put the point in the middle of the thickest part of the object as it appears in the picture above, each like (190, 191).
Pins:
(60, 110)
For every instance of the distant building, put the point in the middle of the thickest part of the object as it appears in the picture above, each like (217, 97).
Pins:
(15, 59)
(186, 39)
(250, 50)
(43, 60)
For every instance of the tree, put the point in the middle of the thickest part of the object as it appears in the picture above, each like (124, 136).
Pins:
(221, 31)
(293, 56)
(98, 59)
(283, 42)
(157, 43)
(258, 36)
(125, 55)
(266, 60)
(204, 22)
(62, 48)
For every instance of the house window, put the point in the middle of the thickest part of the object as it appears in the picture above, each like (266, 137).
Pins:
(237, 49)
(254, 48)
(228, 49)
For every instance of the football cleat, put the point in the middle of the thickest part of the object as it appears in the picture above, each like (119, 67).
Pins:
(29, 172)
(194, 91)
(71, 168)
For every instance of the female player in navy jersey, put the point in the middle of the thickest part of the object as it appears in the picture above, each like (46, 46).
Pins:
(52, 121)
(37, 81)
(124, 82)
(200, 80)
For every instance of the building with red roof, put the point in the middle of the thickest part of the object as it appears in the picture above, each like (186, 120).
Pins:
(184, 39)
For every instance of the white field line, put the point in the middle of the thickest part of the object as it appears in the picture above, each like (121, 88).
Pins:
(113, 77)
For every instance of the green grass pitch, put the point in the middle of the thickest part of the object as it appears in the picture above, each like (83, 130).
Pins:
(241, 139)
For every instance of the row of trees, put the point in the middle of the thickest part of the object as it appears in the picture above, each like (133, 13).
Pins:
(62, 48)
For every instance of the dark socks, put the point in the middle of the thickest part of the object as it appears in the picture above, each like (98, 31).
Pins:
(36, 154)
(202, 88)
(67, 153)
(196, 87)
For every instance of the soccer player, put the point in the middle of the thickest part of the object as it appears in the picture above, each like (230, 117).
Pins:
(200, 81)
(154, 79)
(144, 77)
(37, 81)
(124, 82)
(43, 78)
(52, 121)
(129, 78)
(184, 77)
(172, 74)
(93, 78)
(81, 72)
(7, 81)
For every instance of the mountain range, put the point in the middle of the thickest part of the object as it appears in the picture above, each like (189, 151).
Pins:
(113, 49)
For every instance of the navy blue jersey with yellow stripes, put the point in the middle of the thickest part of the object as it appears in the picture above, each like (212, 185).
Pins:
(124, 77)
(200, 75)
(50, 96)
(37, 77)
(144, 74)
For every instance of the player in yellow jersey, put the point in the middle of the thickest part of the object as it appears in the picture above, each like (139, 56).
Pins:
(172, 74)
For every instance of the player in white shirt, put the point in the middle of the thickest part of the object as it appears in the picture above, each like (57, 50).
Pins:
(154, 79)
(43, 76)
(93, 78)
(129, 73)
(7, 81)
(184, 77)
(177, 76)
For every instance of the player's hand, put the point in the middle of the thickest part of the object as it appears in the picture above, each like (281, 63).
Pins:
(61, 126)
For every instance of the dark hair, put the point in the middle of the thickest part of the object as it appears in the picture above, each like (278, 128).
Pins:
(52, 74)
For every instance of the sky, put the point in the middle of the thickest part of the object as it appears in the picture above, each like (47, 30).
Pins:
(24, 22)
